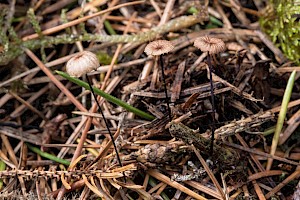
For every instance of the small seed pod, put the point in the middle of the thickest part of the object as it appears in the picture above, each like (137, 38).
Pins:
(82, 63)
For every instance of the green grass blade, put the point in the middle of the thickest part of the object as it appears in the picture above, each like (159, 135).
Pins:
(108, 97)
(281, 116)
(2, 168)
(153, 183)
(48, 155)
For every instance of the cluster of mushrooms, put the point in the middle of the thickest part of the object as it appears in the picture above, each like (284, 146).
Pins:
(86, 61)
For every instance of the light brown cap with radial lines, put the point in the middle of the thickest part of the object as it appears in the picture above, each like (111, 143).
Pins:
(158, 47)
(82, 63)
(210, 45)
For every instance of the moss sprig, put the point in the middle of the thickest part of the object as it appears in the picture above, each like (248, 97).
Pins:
(10, 44)
(37, 28)
(13, 36)
(34, 22)
(47, 41)
(64, 19)
(4, 41)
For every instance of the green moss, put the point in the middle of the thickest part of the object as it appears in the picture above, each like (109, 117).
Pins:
(34, 22)
(281, 24)
(104, 58)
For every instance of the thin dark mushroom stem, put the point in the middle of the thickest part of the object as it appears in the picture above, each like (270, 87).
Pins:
(212, 103)
(212, 46)
(106, 123)
(165, 85)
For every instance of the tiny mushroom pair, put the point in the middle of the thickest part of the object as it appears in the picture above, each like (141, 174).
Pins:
(205, 44)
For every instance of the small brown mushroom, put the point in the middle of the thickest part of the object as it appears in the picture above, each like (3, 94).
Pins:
(211, 46)
(158, 48)
(82, 63)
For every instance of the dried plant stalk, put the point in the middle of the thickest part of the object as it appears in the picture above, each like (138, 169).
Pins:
(47, 41)
(173, 25)
(243, 124)
(76, 174)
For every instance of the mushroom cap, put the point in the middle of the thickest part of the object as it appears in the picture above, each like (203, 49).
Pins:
(158, 47)
(210, 45)
(82, 63)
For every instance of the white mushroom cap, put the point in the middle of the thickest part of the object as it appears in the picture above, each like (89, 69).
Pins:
(210, 45)
(82, 63)
(158, 47)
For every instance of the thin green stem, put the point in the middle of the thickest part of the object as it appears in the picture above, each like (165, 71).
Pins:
(47, 155)
(108, 97)
(153, 183)
(2, 168)
(109, 28)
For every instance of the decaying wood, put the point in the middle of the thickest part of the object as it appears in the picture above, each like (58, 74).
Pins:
(224, 156)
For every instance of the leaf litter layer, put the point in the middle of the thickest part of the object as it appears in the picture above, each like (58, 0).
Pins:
(54, 143)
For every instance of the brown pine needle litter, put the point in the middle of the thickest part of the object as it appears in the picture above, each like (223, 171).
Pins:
(55, 144)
